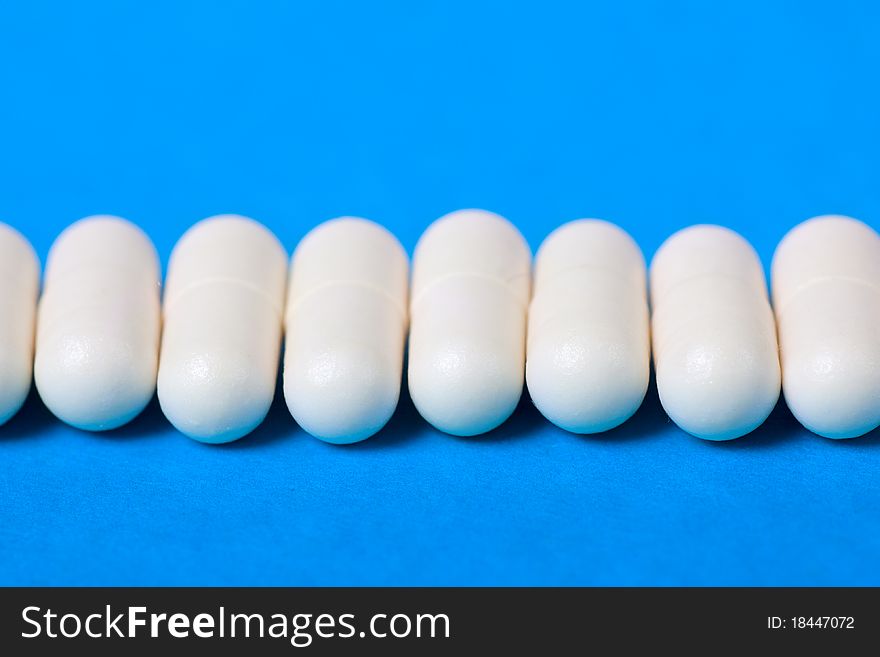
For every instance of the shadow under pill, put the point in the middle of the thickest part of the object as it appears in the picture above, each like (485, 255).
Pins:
(150, 423)
(405, 424)
(277, 426)
(525, 422)
(870, 440)
(32, 420)
(779, 427)
(649, 421)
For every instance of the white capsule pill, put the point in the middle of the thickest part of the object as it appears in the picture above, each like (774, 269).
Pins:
(224, 300)
(826, 293)
(19, 287)
(470, 294)
(345, 329)
(714, 337)
(589, 348)
(98, 325)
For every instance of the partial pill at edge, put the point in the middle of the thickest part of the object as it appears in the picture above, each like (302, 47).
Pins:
(19, 289)
(588, 356)
(346, 322)
(470, 293)
(713, 333)
(826, 294)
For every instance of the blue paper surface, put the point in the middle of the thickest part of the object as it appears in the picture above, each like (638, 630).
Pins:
(655, 115)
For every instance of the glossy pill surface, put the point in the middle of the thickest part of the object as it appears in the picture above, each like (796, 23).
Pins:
(223, 305)
(99, 322)
(346, 321)
(589, 351)
(470, 294)
(826, 293)
(714, 337)
(19, 287)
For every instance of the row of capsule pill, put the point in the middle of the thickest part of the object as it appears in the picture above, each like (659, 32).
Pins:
(578, 329)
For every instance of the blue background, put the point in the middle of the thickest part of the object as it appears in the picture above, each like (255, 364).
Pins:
(654, 115)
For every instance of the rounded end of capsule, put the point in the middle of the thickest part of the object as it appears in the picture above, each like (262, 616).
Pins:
(829, 246)
(703, 250)
(466, 389)
(585, 383)
(341, 395)
(473, 242)
(17, 256)
(94, 383)
(718, 393)
(589, 243)
(102, 239)
(835, 392)
(212, 397)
